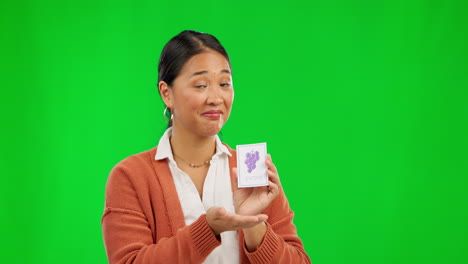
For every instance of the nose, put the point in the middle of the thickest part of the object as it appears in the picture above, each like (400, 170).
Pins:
(214, 97)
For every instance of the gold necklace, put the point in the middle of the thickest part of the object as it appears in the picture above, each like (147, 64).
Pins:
(191, 164)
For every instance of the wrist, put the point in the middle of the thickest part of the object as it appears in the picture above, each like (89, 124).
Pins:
(253, 236)
(255, 228)
(215, 231)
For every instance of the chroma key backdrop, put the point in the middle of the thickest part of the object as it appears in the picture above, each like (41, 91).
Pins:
(363, 105)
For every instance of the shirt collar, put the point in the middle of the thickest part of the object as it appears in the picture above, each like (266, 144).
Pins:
(165, 151)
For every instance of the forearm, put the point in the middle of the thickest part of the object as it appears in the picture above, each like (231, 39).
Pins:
(277, 246)
(127, 237)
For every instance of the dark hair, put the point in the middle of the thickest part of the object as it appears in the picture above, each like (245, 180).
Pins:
(180, 49)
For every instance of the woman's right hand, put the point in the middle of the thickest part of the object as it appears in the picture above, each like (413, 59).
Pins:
(221, 220)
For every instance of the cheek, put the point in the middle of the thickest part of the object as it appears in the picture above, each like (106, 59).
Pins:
(189, 101)
(193, 105)
(230, 99)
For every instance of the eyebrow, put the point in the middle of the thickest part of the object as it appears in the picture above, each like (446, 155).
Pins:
(205, 72)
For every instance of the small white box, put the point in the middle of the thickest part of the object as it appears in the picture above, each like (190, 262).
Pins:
(251, 167)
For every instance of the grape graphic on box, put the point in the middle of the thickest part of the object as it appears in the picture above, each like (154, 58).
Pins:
(251, 166)
(251, 160)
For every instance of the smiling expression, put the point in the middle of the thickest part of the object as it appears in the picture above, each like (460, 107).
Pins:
(201, 96)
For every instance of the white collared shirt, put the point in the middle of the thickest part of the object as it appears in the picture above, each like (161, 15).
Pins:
(216, 192)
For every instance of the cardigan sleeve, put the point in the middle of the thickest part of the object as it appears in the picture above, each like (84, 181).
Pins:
(129, 239)
(281, 243)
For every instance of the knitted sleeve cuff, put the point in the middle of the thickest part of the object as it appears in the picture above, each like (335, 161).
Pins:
(203, 237)
(266, 251)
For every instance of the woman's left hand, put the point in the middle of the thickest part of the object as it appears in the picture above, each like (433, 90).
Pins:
(253, 201)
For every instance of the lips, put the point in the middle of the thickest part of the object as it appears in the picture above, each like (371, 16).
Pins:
(213, 114)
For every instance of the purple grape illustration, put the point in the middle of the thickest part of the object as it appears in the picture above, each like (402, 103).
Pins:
(251, 160)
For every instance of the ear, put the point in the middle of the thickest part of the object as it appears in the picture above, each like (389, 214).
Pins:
(166, 93)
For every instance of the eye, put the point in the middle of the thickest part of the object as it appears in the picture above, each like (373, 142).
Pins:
(225, 84)
(200, 86)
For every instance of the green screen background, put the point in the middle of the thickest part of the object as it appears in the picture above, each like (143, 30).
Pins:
(363, 105)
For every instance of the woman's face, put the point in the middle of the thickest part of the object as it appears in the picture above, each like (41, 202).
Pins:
(201, 95)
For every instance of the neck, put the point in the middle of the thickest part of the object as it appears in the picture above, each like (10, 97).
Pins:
(192, 148)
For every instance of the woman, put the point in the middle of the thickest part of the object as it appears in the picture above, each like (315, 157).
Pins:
(179, 202)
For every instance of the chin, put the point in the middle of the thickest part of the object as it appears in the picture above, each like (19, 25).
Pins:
(212, 131)
(213, 127)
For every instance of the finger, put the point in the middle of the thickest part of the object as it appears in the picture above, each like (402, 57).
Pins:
(274, 189)
(274, 177)
(220, 212)
(271, 166)
(216, 212)
(243, 221)
(262, 217)
(233, 217)
(272, 185)
(237, 221)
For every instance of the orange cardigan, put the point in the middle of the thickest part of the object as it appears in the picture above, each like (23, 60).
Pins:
(143, 220)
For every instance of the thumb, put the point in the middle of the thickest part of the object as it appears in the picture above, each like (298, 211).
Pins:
(217, 212)
(213, 216)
